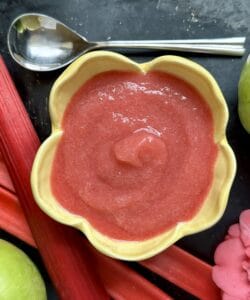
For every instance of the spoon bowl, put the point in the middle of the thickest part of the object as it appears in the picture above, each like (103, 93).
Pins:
(41, 43)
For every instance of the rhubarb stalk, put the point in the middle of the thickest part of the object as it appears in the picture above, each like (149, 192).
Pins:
(64, 254)
(186, 271)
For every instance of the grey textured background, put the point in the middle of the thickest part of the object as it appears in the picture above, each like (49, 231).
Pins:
(147, 19)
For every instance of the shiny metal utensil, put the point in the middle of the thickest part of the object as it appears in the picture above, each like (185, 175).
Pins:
(41, 43)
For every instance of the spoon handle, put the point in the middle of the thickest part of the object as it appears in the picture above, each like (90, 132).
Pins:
(224, 46)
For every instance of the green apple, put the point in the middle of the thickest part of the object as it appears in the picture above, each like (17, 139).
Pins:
(19, 277)
(244, 96)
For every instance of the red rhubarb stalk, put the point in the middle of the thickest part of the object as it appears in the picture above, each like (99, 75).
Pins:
(12, 218)
(61, 247)
(5, 181)
(123, 283)
(186, 271)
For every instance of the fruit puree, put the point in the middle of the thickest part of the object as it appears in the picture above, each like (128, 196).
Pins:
(137, 153)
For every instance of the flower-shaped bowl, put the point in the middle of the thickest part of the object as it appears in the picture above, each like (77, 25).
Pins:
(68, 84)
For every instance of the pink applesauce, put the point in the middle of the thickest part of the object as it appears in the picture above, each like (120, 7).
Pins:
(137, 154)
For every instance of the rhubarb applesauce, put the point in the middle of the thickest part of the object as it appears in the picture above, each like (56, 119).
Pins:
(137, 153)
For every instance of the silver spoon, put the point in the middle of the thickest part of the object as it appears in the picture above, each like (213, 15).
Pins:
(41, 43)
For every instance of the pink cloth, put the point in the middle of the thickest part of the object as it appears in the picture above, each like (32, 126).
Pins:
(231, 272)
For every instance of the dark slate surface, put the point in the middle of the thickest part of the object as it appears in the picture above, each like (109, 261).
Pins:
(146, 19)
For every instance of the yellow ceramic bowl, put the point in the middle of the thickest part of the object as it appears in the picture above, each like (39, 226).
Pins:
(65, 87)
